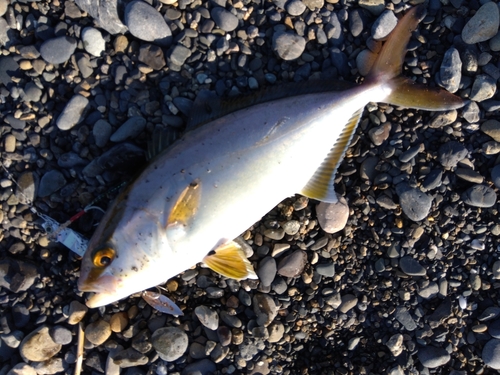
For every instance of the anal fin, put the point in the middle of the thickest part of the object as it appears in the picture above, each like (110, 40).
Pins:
(229, 260)
(320, 186)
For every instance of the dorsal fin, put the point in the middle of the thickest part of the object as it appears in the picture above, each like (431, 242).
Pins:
(207, 106)
(320, 186)
(161, 140)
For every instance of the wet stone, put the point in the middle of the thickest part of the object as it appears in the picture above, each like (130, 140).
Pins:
(332, 217)
(38, 346)
(411, 267)
(170, 343)
(208, 317)
(293, 265)
(415, 204)
(480, 196)
(58, 50)
(288, 45)
(433, 357)
(483, 25)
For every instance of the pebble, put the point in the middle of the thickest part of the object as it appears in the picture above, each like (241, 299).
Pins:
(494, 329)
(76, 312)
(38, 346)
(379, 135)
(483, 25)
(403, 316)
(105, 14)
(470, 112)
(224, 19)
(450, 73)
(470, 175)
(98, 332)
(495, 175)
(276, 331)
(152, 56)
(118, 322)
(349, 301)
(9, 69)
(129, 129)
(429, 291)
(93, 42)
(491, 354)
(208, 317)
(293, 265)
(265, 308)
(51, 182)
(288, 45)
(491, 128)
(58, 50)
(480, 196)
(130, 358)
(433, 357)
(101, 131)
(22, 369)
(203, 367)
(395, 344)
(295, 7)
(332, 217)
(484, 87)
(383, 25)
(170, 343)
(146, 23)
(327, 270)
(10, 143)
(375, 7)
(411, 267)
(73, 113)
(60, 335)
(414, 203)
(266, 271)
(450, 153)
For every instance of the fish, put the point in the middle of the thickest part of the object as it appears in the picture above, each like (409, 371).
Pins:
(198, 195)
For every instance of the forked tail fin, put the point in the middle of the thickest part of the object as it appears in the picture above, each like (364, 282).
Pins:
(388, 66)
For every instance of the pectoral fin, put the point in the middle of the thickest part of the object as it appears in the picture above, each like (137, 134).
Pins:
(229, 260)
(320, 186)
(186, 206)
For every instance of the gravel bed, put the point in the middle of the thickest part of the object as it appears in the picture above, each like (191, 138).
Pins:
(400, 277)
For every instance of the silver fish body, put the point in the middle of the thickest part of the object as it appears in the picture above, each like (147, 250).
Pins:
(220, 179)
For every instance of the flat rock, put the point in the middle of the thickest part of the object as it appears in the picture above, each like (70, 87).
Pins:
(51, 182)
(58, 50)
(411, 267)
(38, 346)
(288, 45)
(480, 196)
(403, 316)
(450, 153)
(105, 14)
(208, 317)
(433, 357)
(293, 265)
(483, 25)
(332, 217)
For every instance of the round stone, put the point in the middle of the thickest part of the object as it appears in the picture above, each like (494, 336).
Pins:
(38, 346)
(73, 113)
(433, 357)
(293, 265)
(384, 24)
(483, 25)
(98, 332)
(265, 308)
(480, 196)
(58, 50)
(411, 267)
(208, 317)
(491, 354)
(415, 204)
(224, 19)
(288, 45)
(51, 182)
(267, 271)
(93, 42)
(492, 128)
(146, 23)
(170, 343)
(332, 217)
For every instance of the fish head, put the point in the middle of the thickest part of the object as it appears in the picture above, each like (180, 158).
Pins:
(125, 255)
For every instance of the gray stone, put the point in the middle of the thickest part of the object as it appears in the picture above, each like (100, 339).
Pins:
(492, 128)
(429, 291)
(170, 343)
(129, 129)
(433, 357)
(403, 316)
(208, 317)
(146, 23)
(415, 204)
(288, 45)
(495, 175)
(293, 265)
(470, 112)
(265, 308)
(152, 56)
(73, 113)
(450, 153)
(491, 354)
(101, 131)
(384, 24)
(224, 19)
(411, 267)
(203, 367)
(327, 270)
(105, 14)
(266, 271)
(494, 328)
(295, 7)
(93, 42)
(58, 50)
(484, 87)
(349, 301)
(483, 25)
(480, 196)
(450, 72)
(60, 335)
(22, 368)
(51, 182)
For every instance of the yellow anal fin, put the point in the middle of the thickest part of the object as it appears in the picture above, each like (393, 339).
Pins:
(229, 260)
(407, 93)
(186, 206)
(320, 186)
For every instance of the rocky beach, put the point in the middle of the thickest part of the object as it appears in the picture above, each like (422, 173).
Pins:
(402, 276)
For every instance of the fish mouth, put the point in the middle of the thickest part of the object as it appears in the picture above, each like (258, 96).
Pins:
(105, 289)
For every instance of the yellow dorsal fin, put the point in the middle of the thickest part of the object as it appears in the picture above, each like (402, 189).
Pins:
(229, 260)
(186, 206)
(320, 186)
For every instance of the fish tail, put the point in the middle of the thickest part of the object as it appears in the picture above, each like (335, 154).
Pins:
(387, 67)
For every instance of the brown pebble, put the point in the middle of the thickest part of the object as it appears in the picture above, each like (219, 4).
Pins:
(118, 321)
(98, 332)
(172, 285)
(238, 336)
(77, 311)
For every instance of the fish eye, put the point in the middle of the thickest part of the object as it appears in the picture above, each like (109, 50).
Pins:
(103, 257)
